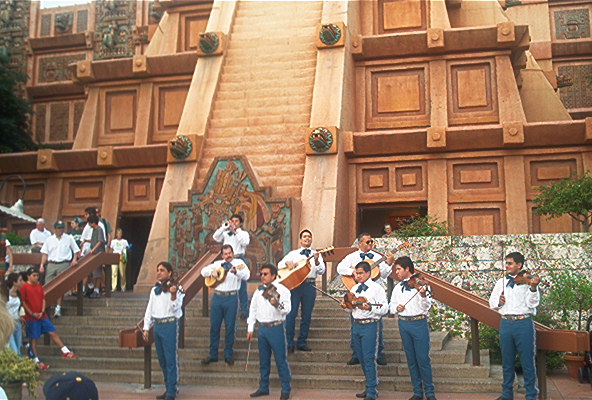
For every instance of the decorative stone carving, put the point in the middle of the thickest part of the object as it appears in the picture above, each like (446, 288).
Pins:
(180, 147)
(14, 28)
(63, 22)
(572, 24)
(114, 25)
(230, 188)
(320, 140)
(208, 42)
(574, 83)
(330, 34)
(155, 13)
(55, 69)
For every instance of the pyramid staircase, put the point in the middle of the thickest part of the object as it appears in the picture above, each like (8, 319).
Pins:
(95, 338)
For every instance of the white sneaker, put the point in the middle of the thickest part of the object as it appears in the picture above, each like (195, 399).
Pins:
(58, 312)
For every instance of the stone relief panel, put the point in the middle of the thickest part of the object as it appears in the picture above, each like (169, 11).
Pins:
(63, 23)
(14, 28)
(480, 180)
(55, 68)
(230, 188)
(114, 25)
(401, 15)
(579, 94)
(59, 123)
(572, 24)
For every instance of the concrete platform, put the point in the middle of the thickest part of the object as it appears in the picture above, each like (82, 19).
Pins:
(560, 386)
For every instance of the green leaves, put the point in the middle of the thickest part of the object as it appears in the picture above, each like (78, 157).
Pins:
(422, 226)
(570, 291)
(14, 369)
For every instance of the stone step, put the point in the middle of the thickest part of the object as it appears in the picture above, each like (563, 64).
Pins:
(292, 135)
(297, 64)
(221, 105)
(272, 120)
(265, 75)
(263, 92)
(277, 109)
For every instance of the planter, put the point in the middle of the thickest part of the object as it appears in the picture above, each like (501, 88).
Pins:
(14, 391)
(574, 363)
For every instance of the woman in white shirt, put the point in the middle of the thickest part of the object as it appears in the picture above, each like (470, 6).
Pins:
(14, 282)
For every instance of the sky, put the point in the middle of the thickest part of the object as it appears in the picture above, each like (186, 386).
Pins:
(55, 3)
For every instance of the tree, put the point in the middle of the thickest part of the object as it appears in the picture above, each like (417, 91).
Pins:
(14, 111)
(422, 226)
(572, 196)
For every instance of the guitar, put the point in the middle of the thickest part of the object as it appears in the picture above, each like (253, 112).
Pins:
(349, 280)
(293, 276)
(219, 275)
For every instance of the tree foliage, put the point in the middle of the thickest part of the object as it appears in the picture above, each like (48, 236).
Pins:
(571, 292)
(14, 111)
(572, 196)
(422, 226)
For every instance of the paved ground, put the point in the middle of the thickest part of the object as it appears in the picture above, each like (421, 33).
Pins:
(560, 387)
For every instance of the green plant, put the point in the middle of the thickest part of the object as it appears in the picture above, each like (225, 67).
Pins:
(16, 240)
(572, 196)
(422, 226)
(15, 369)
(444, 318)
(570, 292)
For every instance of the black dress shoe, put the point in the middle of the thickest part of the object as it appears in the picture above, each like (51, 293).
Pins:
(284, 396)
(169, 398)
(229, 361)
(432, 398)
(208, 361)
(290, 350)
(370, 398)
(304, 348)
(161, 397)
(259, 393)
(414, 397)
(381, 361)
(501, 398)
(353, 361)
(361, 395)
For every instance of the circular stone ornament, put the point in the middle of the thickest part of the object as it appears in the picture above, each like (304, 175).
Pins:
(320, 140)
(180, 147)
(330, 34)
(209, 42)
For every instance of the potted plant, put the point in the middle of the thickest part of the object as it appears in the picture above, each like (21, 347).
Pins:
(571, 295)
(14, 371)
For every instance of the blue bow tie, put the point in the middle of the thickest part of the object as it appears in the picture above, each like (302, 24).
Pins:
(364, 255)
(306, 252)
(230, 233)
(262, 287)
(511, 282)
(227, 265)
(361, 288)
(405, 286)
(158, 288)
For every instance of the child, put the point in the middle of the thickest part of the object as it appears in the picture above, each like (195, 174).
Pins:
(119, 246)
(33, 298)
(14, 282)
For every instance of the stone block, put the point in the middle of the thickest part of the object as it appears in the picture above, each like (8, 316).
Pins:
(436, 137)
(106, 157)
(140, 65)
(435, 38)
(84, 71)
(46, 160)
(513, 133)
(506, 32)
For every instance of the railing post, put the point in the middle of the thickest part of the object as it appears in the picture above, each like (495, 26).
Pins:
(205, 302)
(541, 361)
(108, 280)
(80, 299)
(147, 367)
(475, 342)
(324, 281)
(182, 331)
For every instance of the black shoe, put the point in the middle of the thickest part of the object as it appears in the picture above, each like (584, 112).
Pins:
(501, 398)
(370, 398)
(229, 361)
(414, 397)
(304, 348)
(290, 350)
(381, 361)
(353, 361)
(208, 361)
(284, 396)
(259, 393)
(361, 395)
(161, 397)
(432, 398)
(169, 398)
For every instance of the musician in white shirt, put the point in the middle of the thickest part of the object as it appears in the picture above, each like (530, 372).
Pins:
(304, 294)
(225, 302)
(366, 318)
(346, 267)
(231, 233)
(270, 314)
(411, 306)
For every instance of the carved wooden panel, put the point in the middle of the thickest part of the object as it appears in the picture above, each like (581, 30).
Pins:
(545, 170)
(478, 221)
(140, 193)
(475, 180)
(397, 96)
(119, 112)
(388, 182)
(169, 100)
(472, 97)
(189, 29)
(79, 194)
(401, 15)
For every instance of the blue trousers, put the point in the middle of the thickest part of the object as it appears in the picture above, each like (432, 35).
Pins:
(365, 341)
(166, 340)
(416, 343)
(273, 340)
(16, 338)
(306, 295)
(243, 294)
(224, 308)
(380, 339)
(518, 337)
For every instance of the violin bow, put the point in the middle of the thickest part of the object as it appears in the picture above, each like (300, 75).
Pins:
(248, 353)
(327, 294)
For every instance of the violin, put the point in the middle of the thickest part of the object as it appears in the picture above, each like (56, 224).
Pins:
(524, 277)
(166, 285)
(352, 301)
(416, 283)
(271, 294)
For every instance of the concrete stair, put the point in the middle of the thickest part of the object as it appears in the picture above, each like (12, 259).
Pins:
(95, 338)
(263, 102)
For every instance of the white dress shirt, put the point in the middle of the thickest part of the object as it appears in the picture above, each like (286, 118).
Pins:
(418, 306)
(7, 256)
(232, 281)
(261, 309)
(519, 299)
(37, 236)
(161, 306)
(295, 256)
(87, 236)
(60, 250)
(239, 241)
(374, 294)
(347, 266)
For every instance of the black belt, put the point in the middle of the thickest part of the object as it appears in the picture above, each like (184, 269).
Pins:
(365, 321)
(412, 317)
(230, 293)
(311, 280)
(271, 324)
(59, 262)
(164, 320)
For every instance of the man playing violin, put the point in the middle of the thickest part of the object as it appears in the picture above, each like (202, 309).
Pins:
(225, 303)
(411, 301)
(304, 294)
(270, 313)
(164, 310)
(366, 318)
(517, 303)
(347, 267)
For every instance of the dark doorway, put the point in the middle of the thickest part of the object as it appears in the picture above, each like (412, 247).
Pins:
(136, 229)
(372, 218)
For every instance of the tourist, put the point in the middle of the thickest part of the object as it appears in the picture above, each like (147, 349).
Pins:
(119, 246)
(14, 281)
(39, 235)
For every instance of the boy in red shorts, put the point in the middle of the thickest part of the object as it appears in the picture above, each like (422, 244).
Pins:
(33, 298)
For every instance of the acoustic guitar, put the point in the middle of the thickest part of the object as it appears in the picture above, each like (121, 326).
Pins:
(219, 275)
(349, 280)
(293, 277)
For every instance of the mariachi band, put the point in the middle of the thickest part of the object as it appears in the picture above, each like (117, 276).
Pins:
(292, 285)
